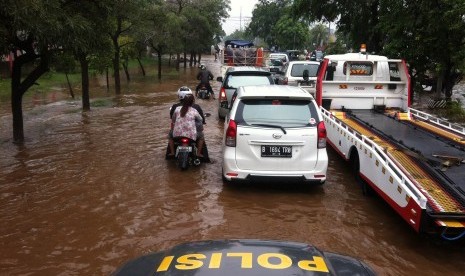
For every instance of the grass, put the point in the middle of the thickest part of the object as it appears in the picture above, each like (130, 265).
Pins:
(55, 80)
(101, 103)
(47, 82)
(453, 112)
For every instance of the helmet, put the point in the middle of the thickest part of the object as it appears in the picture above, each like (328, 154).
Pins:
(203, 67)
(183, 92)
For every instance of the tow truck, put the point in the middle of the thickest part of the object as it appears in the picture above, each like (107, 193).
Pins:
(411, 159)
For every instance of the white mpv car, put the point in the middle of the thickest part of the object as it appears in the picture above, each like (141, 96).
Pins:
(274, 132)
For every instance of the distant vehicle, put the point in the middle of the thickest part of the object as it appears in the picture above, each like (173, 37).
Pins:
(293, 74)
(244, 257)
(239, 76)
(275, 65)
(295, 55)
(274, 132)
(282, 56)
(315, 56)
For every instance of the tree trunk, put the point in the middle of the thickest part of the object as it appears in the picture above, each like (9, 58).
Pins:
(18, 88)
(141, 66)
(178, 57)
(185, 60)
(159, 64)
(191, 59)
(439, 85)
(375, 39)
(71, 92)
(108, 80)
(116, 72)
(126, 71)
(85, 82)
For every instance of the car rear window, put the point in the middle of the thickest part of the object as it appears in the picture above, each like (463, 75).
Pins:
(281, 112)
(298, 69)
(234, 81)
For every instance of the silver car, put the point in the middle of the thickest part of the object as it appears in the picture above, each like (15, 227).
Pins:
(235, 77)
(293, 74)
(274, 132)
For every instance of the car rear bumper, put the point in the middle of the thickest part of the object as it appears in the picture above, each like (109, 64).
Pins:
(231, 173)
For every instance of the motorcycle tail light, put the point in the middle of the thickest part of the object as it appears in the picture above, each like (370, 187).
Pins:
(184, 141)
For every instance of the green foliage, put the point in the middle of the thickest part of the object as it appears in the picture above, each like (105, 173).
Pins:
(64, 62)
(101, 103)
(291, 34)
(453, 111)
(264, 19)
(318, 36)
(238, 34)
(428, 34)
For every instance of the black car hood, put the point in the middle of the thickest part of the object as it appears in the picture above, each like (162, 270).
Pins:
(244, 257)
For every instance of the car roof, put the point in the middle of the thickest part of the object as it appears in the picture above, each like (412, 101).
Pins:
(246, 69)
(356, 57)
(272, 91)
(303, 62)
(279, 55)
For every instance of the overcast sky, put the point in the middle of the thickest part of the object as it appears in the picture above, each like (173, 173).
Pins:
(239, 15)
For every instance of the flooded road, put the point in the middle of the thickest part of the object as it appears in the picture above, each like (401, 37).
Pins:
(87, 192)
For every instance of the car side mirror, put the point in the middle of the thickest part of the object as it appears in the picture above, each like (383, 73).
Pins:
(220, 79)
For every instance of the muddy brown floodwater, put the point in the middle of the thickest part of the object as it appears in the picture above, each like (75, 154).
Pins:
(89, 191)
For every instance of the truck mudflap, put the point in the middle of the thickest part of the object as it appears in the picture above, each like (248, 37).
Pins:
(244, 257)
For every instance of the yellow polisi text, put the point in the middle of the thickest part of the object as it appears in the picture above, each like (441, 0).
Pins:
(244, 259)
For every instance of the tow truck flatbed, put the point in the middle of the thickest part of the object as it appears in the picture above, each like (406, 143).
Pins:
(439, 155)
(412, 160)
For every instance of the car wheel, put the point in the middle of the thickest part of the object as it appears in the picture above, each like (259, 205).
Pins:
(355, 166)
(225, 180)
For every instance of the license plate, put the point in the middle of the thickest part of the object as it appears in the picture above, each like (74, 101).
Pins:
(184, 149)
(276, 151)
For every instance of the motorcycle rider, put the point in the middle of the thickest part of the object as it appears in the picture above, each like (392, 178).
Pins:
(204, 76)
(184, 92)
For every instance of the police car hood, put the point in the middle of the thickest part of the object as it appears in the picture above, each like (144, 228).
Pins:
(244, 257)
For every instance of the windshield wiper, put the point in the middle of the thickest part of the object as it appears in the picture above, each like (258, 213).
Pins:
(273, 126)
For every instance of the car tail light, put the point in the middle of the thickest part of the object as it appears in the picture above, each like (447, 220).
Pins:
(285, 81)
(321, 135)
(231, 134)
(222, 96)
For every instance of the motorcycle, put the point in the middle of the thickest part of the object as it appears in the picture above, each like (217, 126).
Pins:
(203, 93)
(186, 152)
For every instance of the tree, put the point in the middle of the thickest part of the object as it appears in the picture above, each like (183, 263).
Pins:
(124, 16)
(238, 34)
(32, 31)
(429, 34)
(319, 35)
(429, 47)
(264, 18)
(357, 18)
(291, 34)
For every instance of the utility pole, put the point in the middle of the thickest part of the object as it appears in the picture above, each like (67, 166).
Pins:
(240, 19)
